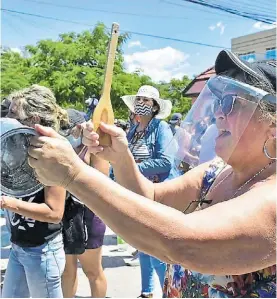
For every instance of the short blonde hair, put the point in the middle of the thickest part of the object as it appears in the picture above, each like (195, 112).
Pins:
(40, 101)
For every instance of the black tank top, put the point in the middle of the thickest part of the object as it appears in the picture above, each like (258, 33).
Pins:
(27, 232)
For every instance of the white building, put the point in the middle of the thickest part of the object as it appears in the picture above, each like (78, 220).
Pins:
(256, 46)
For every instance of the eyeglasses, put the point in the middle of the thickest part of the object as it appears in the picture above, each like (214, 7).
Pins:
(226, 104)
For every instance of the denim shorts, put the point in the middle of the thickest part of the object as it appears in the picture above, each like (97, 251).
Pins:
(35, 271)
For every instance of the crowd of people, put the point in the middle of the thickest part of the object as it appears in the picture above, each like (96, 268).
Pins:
(198, 202)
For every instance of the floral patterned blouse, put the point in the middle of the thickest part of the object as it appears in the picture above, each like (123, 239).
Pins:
(184, 283)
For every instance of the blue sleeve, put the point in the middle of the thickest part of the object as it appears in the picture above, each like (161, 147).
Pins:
(162, 162)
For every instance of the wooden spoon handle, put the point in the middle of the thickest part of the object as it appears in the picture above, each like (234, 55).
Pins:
(104, 111)
(110, 62)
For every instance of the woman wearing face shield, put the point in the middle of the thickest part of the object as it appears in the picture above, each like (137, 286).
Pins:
(216, 224)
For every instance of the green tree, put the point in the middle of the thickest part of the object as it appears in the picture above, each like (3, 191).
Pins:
(173, 91)
(14, 72)
(73, 67)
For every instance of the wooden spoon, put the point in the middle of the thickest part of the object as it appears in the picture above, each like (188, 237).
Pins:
(104, 110)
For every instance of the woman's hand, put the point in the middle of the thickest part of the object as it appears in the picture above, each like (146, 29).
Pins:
(7, 202)
(112, 153)
(53, 158)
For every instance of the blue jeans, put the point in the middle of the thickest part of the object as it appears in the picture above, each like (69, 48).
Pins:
(8, 216)
(6, 230)
(147, 266)
(35, 271)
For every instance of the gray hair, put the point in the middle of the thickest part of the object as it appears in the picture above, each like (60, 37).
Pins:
(39, 101)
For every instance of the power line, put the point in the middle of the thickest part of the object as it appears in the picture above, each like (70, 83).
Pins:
(245, 8)
(45, 17)
(111, 12)
(177, 40)
(210, 10)
(28, 22)
(252, 2)
(247, 15)
(239, 10)
(198, 9)
(232, 3)
(245, 4)
(106, 11)
(126, 31)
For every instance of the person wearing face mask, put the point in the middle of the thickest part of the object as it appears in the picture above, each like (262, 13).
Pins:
(147, 142)
(37, 258)
(83, 231)
(175, 122)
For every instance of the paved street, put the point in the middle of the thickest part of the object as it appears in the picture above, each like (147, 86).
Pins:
(123, 280)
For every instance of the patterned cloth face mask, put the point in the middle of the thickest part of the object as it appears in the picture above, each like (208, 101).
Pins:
(143, 109)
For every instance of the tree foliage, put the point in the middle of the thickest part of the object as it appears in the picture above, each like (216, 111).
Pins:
(173, 91)
(73, 67)
(14, 73)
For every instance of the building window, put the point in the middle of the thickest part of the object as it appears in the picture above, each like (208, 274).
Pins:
(250, 56)
(270, 53)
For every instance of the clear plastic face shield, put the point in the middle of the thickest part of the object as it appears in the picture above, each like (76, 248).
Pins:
(220, 123)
